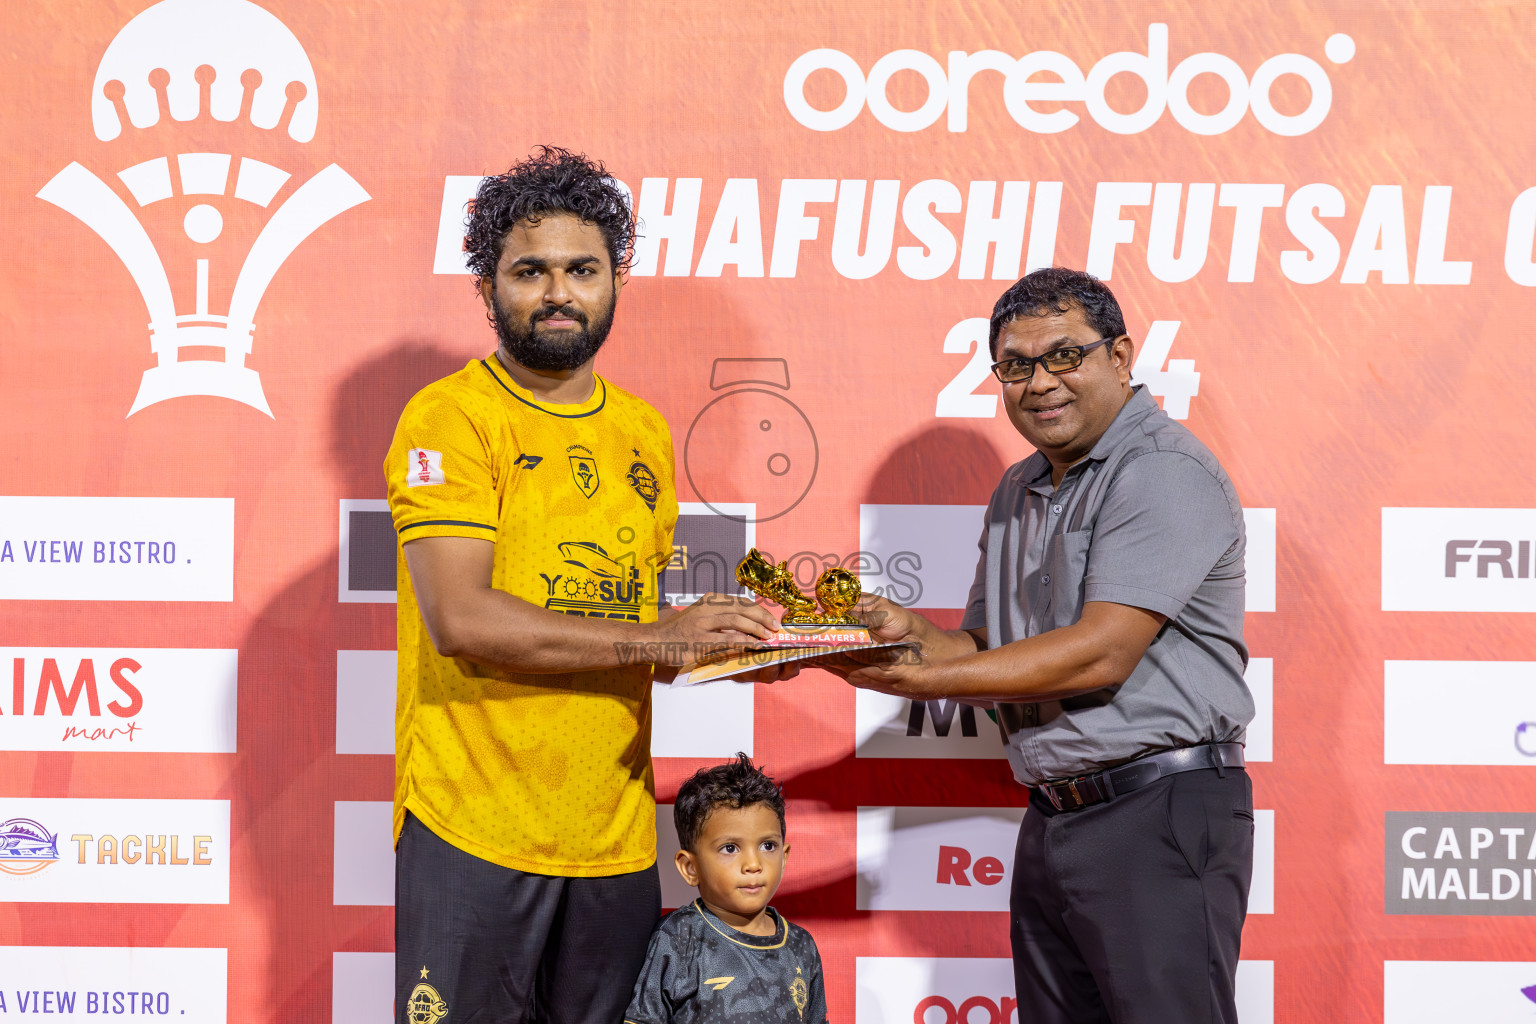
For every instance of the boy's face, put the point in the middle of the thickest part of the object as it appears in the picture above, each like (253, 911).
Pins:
(738, 860)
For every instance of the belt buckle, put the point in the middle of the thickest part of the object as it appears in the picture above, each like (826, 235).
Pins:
(1053, 794)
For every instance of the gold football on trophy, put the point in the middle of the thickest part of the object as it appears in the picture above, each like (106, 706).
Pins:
(837, 589)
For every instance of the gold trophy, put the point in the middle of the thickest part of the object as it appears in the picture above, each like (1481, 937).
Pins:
(836, 590)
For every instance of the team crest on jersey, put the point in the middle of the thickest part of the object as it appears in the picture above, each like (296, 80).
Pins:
(800, 993)
(644, 482)
(423, 467)
(425, 1006)
(583, 469)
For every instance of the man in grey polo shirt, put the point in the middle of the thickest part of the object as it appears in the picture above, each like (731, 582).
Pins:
(1106, 626)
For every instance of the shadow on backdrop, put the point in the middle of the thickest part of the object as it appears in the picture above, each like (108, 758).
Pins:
(289, 774)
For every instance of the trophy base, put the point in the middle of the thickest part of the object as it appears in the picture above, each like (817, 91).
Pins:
(818, 634)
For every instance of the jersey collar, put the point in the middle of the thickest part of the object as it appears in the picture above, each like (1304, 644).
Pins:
(778, 938)
(570, 412)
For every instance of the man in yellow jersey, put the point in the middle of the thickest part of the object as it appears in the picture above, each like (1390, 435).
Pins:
(534, 503)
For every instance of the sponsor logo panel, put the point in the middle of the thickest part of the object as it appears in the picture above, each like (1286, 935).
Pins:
(88, 983)
(936, 858)
(366, 540)
(161, 700)
(888, 726)
(980, 990)
(1259, 559)
(707, 545)
(114, 851)
(1435, 991)
(1261, 892)
(117, 549)
(362, 988)
(1492, 721)
(1462, 863)
(1458, 560)
(920, 556)
(363, 848)
(365, 702)
(924, 556)
(1260, 677)
(702, 721)
(956, 858)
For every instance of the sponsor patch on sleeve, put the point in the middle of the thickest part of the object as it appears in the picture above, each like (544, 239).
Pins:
(424, 467)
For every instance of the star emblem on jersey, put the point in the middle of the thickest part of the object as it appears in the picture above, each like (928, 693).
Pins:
(425, 1006)
(719, 983)
(583, 469)
(644, 482)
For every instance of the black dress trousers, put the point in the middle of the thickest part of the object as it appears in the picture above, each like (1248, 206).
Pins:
(1131, 911)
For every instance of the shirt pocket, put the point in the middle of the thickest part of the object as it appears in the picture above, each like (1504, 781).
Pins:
(1061, 579)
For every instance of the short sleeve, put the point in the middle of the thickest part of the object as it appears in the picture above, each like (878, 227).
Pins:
(1165, 524)
(975, 616)
(440, 473)
(816, 1005)
(664, 982)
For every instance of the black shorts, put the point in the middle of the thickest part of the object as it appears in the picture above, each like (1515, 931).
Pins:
(475, 941)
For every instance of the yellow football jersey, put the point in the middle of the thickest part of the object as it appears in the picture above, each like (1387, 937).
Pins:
(546, 773)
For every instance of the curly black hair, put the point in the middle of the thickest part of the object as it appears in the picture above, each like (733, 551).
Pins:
(552, 180)
(1052, 291)
(735, 784)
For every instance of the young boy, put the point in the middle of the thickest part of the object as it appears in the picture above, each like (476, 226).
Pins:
(728, 955)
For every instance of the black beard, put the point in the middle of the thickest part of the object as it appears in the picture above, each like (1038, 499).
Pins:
(552, 352)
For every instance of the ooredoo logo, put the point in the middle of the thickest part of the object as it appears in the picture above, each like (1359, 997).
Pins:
(976, 1009)
(948, 88)
(179, 61)
(935, 990)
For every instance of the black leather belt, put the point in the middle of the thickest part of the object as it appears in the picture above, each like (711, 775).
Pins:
(1085, 790)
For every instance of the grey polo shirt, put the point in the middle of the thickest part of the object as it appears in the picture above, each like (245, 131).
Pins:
(1148, 519)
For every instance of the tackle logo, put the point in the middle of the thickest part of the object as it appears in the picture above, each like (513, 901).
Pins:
(645, 484)
(180, 61)
(583, 469)
(531, 461)
(26, 847)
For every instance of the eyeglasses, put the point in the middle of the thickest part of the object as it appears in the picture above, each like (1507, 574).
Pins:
(1058, 360)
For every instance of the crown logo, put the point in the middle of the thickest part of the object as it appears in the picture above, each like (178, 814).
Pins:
(232, 61)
